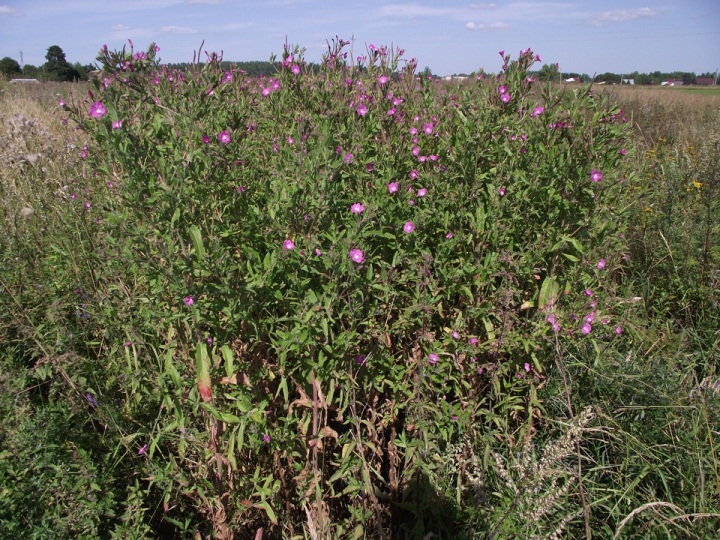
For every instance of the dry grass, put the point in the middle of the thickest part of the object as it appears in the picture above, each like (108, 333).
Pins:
(667, 115)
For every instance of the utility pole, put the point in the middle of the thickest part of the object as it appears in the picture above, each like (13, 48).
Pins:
(21, 60)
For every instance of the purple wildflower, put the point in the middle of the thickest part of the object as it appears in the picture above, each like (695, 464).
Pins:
(357, 256)
(224, 137)
(98, 110)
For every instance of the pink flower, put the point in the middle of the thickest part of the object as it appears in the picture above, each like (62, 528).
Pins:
(266, 438)
(456, 335)
(473, 341)
(596, 176)
(357, 208)
(357, 256)
(588, 292)
(409, 227)
(428, 128)
(189, 301)
(142, 450)
(98, 110)
(537, 111)
(586, 328)
(117, 124)
(393, 187)
(288, 245)
(359, 359)
(61, 103)
(295, 69)
(205, 139)
(501, 191)
(422, 192)
(414, 174)
(623, 152)
(433, 358)
(449, 235)
(505, 98)
(348, 158)
(618, 330)
(526, 367)
(502, 89)
(224, 137)
(382, 79)
(318, 252)
(392, 111)
(601, 264)
(362, 110)
(590, 318)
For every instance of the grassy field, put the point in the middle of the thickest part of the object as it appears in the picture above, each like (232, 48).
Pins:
(105, 433)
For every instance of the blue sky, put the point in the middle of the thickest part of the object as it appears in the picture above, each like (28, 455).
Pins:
(450, 36)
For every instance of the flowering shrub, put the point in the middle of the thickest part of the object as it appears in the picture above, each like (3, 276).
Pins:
(332, 277)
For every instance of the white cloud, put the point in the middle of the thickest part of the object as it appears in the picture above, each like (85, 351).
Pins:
(203, 1)
(178, 30)
(620, 15)
(123, 31)
(5, 10)
(483, 6)
(492, 26)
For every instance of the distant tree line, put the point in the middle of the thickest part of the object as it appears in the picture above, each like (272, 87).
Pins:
(253, 68)
(551, 72)
(56, 68)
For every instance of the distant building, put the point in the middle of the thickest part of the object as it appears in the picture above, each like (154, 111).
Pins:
(30, 81)
(705, 81)
(628, 81)
(675, 82)
(572, 80)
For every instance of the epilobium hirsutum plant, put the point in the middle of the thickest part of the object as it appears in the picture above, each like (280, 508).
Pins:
(265, 233)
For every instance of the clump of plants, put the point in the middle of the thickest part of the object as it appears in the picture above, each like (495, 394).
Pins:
(306, 290)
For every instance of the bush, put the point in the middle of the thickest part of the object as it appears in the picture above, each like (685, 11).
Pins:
(312, 287)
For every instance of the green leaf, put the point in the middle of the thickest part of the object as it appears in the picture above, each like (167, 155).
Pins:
(197, 241)
(229, 358)
(548, 293)
(268, 510)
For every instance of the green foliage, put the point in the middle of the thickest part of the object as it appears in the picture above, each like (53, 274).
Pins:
(230, 215)
(57, 67)
(9, 67)
(351, 302)
(30, 71)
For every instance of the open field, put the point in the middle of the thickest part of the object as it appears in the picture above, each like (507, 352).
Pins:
(358, 304)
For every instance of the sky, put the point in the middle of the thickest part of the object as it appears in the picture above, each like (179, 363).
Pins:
(449, 36)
